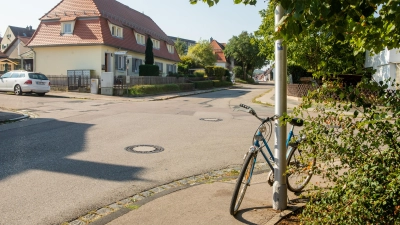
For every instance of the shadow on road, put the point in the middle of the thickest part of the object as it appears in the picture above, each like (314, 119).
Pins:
(46, 146)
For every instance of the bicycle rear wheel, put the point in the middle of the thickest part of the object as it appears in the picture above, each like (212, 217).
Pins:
(299, 169)
(243, 182)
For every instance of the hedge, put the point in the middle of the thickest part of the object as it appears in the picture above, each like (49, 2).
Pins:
(218, 83)
(149, 70)
(186, 86)
(207, 84)
(139, 90)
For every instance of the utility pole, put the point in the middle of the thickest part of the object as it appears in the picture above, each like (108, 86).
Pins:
(279, 187)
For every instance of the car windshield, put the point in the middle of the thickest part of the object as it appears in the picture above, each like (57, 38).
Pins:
(38, 76)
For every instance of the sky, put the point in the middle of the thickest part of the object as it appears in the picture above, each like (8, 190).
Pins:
(176, 18)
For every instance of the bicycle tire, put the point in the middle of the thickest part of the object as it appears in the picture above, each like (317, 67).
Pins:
(299, 165)
(247, 168)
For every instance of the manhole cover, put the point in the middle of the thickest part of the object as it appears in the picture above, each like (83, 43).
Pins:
(211, 119)
(144, 149)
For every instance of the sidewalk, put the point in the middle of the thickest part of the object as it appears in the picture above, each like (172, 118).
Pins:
(10, 116)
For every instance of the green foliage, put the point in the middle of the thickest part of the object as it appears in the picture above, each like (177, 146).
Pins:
(180, 47)
(187, 62)
(237, 70)
(354, 132)
(140, 90)
(199, 73)
(219, 83)
(207, 84)
(149, 56)
(149, 70)
(202, 53)
(297, 72)
(245, 48)
(219, 72)
(209, 71)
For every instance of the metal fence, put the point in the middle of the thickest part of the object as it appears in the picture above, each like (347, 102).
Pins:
(72, 82)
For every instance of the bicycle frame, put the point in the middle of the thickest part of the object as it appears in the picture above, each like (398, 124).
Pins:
(259, 148)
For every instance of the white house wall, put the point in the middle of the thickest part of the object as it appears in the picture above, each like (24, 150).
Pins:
(57, 60)
(7, 40)
(384, 63)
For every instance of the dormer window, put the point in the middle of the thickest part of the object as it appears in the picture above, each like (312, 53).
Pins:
(156, 43)
(67, 27)
(116, 31)
(140, 39)
(170, 49)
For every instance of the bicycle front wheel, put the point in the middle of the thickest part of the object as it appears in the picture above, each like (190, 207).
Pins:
(299, 169)
(243, 182)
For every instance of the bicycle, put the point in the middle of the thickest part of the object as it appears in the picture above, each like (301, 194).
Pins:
(298, 164)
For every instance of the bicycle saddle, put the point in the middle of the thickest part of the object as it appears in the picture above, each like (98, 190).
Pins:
(297, 122)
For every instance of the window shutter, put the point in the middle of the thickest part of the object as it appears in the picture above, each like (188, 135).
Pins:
(161, 67)
(124, 62)
(116, 61)
(133, 64)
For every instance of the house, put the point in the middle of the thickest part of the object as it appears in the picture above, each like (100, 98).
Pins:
(218, 50)
(186, 41)
(386, 63)
(13, 45)
(6, 64)
(101, 36)
(12, 33)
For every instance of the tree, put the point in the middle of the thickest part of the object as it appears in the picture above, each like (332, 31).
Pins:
(365, 25)
(244, 48)
(318, 51)
(149, 56)
(180, 47)
(202, 52)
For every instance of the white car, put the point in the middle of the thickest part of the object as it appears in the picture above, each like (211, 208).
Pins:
(20, 81)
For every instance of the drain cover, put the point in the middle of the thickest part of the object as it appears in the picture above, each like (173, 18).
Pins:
(211, 119)
(144, 149)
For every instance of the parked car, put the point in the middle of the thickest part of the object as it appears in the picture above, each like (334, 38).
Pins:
(20, 81)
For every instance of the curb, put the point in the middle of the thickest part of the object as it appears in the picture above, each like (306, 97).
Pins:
(25, 116)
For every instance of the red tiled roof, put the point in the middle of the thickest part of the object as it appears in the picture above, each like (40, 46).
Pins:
(95, 30)
(2, 55)
(218, 51)
(24, 40)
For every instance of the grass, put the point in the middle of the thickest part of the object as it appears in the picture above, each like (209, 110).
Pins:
(132, 207)
(254, 100)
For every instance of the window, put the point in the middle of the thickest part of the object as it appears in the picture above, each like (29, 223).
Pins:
(170, 49)
(140, 39)
(6, 75)
(116, 31)
(156, 43)
(120, 62)
(67, 27)
(160, 66)
(135, 65)
(171, 68)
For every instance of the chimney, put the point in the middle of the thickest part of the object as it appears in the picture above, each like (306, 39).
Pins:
(211, 39)
(30, 27)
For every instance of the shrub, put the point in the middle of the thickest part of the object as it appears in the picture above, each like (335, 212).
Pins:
(186, 86)
(357, 144)
(199, 73)
(148, 70)
(238, 71)
(209, 70)
(218, 83)
(219, 72)
(297, 73)
(139, 90)
(207, 84)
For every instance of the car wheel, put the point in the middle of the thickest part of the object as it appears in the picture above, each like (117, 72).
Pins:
(41, 94)
(17, 90)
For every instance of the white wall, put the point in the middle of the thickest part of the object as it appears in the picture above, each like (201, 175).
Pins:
(384, 63)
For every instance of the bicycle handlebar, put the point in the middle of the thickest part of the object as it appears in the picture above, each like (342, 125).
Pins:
(252, 112)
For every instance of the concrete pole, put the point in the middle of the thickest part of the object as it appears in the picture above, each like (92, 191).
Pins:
(279, 187)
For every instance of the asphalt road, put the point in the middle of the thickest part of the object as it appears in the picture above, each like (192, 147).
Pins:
(71, 159)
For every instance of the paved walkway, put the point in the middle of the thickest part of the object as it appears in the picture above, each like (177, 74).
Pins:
(202, 199)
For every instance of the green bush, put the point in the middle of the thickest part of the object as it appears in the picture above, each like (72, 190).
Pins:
(199, 73)
(219, 72)
(209, 70)
(207, 84)
(186, 87)
(139, 90)
(238, 71)
(356, 140)
(218, 83)
(297, 73)
(149, 70)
